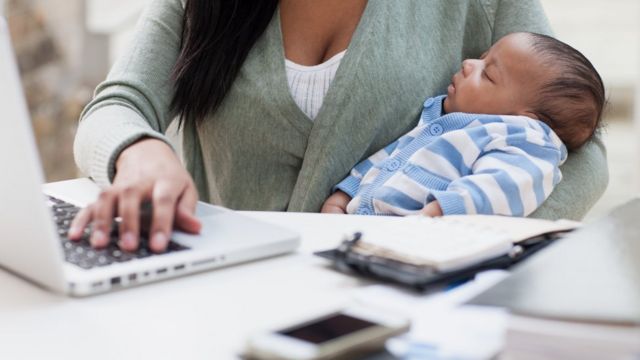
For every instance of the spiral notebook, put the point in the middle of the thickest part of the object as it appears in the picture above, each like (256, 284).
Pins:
(420, 251)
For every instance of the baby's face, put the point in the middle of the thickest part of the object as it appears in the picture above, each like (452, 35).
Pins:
(503, 81)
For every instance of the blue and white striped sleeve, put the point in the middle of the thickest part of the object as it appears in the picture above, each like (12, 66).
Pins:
(351, 184)
(512, 177)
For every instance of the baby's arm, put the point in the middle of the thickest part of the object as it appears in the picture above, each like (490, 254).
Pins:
(510, 180)
(351, 184)
(349, 187)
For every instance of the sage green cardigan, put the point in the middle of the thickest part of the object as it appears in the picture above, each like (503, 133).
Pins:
(259, 151)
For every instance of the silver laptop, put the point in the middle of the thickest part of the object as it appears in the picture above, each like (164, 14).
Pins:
(33, 244)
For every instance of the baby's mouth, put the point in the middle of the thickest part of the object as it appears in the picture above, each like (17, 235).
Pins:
(452, 87)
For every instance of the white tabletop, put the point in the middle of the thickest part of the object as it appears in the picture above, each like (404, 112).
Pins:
(200, 316)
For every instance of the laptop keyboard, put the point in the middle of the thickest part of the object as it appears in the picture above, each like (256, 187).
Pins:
(81, 253)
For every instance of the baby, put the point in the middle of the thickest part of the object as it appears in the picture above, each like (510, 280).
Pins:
(493, 144)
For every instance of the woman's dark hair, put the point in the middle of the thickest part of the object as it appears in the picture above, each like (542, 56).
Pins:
(573, 101)
(217, 36)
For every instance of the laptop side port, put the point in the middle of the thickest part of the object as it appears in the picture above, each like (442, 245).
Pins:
(179, 267)
(204, 262)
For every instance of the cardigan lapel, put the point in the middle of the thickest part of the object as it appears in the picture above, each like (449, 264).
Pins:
(342, 132)
(273, 70)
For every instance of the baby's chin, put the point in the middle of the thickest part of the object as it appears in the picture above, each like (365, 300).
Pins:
(452, 105)
(447, 106)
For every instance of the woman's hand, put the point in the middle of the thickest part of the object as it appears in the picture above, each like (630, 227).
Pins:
(336, 203)
(432, 209)
(145, 171)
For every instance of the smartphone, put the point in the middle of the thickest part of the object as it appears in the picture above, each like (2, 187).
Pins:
(337, 335)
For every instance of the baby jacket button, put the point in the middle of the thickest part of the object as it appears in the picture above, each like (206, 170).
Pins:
(393, 165)
(436, 129)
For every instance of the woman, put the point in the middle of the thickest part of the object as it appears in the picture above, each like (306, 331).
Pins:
(254, 137)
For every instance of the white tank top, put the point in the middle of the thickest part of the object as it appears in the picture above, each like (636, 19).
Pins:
(309, 84)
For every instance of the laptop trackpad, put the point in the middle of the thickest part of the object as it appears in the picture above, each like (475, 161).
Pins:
(225, 228)
(204, 210)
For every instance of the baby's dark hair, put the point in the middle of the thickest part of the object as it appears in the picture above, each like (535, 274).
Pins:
(573, 101)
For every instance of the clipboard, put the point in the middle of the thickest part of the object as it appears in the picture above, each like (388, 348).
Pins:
(348, 258)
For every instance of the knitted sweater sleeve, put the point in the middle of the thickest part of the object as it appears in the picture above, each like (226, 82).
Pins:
(133, 102)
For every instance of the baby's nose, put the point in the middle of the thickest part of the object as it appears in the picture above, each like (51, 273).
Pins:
(468, 66)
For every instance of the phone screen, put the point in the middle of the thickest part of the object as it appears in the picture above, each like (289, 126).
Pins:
(327, 328)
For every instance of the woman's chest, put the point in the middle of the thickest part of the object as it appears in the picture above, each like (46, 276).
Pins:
(314, 31)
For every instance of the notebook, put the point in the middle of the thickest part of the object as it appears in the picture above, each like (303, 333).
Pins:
(421, 251)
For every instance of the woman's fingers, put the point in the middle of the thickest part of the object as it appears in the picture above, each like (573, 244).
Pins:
(164, 199)
(171, 204)
(129, 202)
(80, 223)
(102, 215)
(185, 218)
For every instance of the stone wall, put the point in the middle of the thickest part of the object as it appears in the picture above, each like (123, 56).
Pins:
(55, 92)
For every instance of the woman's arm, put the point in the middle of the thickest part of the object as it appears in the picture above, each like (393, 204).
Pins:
(508, 16)
(122, 129)
(585, 177)
(133, 102)
(585, 173)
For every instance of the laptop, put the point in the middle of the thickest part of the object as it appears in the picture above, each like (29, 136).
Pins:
(580, 297)
(34, 244)
(590, 276)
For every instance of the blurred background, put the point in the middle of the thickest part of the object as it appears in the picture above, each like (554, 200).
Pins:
(65, 48)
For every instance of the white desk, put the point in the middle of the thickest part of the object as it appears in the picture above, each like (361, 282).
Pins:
(200, 316)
